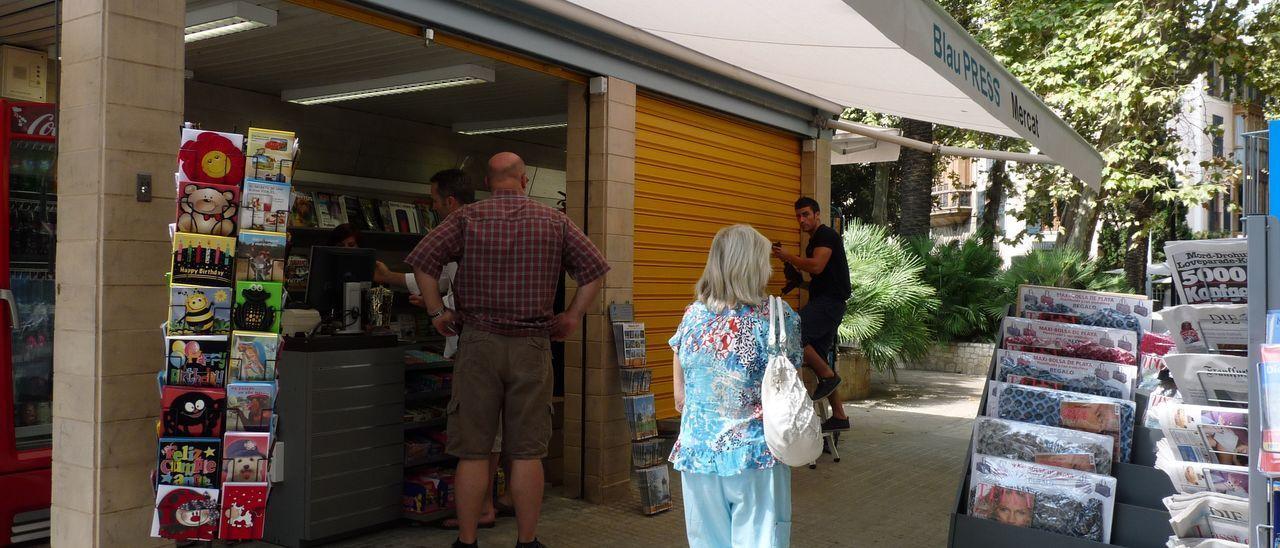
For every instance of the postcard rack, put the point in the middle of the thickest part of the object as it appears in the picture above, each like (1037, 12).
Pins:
(1139, 520)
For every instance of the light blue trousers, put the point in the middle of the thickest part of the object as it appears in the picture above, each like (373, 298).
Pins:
(749, 510)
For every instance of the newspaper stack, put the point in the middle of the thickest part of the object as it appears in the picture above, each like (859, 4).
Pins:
(1209, 516)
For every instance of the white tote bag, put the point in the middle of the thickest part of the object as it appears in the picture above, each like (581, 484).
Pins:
(791, 427)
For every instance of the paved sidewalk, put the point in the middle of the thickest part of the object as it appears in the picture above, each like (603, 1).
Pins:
(894, 487)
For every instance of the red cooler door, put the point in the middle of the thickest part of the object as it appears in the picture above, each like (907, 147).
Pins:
(27, 286)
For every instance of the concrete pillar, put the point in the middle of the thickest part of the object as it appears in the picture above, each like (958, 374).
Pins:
(120, 111)
(601, 196)
(815, 173)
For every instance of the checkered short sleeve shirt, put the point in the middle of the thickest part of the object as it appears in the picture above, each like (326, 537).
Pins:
(510, 252)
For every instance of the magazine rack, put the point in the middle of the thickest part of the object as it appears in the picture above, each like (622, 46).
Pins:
(1139, 520)
(1264, 265)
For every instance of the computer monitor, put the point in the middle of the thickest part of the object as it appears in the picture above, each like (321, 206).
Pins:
(331, 267)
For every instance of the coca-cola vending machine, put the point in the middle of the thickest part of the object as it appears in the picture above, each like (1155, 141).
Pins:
(29, 195)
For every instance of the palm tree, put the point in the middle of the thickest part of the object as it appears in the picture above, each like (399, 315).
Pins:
(916, 189)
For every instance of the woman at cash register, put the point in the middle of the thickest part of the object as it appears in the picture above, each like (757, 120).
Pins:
(345, 235)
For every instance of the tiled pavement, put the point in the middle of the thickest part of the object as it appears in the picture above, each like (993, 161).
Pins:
(894, 487)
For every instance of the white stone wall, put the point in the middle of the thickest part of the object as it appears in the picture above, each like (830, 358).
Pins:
(964, 358)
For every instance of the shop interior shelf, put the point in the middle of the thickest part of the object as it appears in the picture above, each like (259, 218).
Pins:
(433, 423)
(428, 461)
(434, 395)
(300, 231)
(433, 516)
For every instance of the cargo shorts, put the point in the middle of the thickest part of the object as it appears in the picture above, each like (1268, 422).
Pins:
(499, 380)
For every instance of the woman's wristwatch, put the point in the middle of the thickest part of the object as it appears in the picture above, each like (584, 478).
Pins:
(437, 313)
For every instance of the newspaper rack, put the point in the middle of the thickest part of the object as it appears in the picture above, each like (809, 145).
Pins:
(1139, 520)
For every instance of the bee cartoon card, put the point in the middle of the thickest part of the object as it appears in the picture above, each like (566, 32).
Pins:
(199, 310)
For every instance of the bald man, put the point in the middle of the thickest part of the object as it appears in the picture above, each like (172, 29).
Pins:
(510, 252)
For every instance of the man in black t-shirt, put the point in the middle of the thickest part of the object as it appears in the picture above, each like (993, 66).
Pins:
(829, 289)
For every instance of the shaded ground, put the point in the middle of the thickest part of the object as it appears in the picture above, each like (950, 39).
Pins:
(895, 486)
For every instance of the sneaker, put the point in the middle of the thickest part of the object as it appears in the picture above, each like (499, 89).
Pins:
(835, 425)
(459, 544)
(825, 387)
(534, 544)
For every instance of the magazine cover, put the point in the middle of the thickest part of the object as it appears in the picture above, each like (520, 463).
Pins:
(1210, 379)
(250, 406)
(384, 216)
(260, 256)
(1196, 477)
(1209, 328)
(354, 213)
(370, 210)
(211, 157)
(1269, 381)
(404, 217)
(1210, 271)
(1199, 433)
(270, 155)
(253, 356)
(200, 259)
(264, 205)
(1058, 500)
(1056, 304)
(303, 212)
(426, 215)
(199, 310)
(1072, 341)
(192, 412)
(1048, 445)
(1071, 374)
(329, 210)
(207, 208)
(1154, 347)
(246, 458)
(655, 489)
(244, 511)
(185, 513)
(189, 462)
(1050, 407)
(641, 416)
(258, 306)
(196, 361)
(297, 270)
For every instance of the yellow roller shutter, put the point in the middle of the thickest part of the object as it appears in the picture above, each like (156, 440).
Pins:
(696, 172)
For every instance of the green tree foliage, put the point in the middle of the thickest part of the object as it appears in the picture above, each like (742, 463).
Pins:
(1115, 70)
(1058, 267)
(965, 276)
(888, 316)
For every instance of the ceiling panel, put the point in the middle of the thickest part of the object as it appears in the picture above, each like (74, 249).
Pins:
(28, 23)
(309, 48)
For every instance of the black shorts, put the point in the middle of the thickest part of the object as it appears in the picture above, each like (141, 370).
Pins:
(819, 322)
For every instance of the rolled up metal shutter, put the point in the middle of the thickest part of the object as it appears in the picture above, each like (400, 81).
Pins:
(696, 172)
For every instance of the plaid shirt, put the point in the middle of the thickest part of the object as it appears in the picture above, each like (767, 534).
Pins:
(510, 252)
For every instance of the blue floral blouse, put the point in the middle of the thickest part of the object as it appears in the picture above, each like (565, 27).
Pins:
(723, 357)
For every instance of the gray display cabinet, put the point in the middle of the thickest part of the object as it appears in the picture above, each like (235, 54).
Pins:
(342, 452)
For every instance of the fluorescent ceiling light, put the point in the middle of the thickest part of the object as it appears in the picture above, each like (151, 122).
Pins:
(448, 77)
(227, 18)
(507, 126)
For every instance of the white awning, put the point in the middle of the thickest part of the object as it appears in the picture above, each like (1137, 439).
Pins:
(901, 57)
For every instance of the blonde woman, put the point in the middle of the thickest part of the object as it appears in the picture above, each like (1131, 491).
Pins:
(735, 492)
